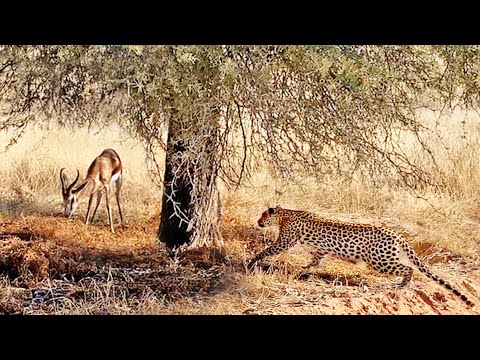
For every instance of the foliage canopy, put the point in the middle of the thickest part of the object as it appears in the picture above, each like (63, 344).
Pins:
(217, 110)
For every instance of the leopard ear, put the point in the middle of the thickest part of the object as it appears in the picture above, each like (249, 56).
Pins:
(270, 211)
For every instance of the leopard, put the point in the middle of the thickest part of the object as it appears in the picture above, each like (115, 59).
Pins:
(383, 249)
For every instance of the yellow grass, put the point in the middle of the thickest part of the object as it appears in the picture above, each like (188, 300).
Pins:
(30, 169)
(443, 226)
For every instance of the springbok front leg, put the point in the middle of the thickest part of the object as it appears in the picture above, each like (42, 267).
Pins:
(87, 217)
(99, 197)
(88, 209)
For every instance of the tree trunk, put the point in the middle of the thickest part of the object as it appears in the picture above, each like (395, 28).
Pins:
(191, 201)
(173, 229)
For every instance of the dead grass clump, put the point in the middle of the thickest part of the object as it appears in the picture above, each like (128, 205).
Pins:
(23, 262)
(33, 248)
(203, 258)
(69, 269)
(12, 299)
(174, 283)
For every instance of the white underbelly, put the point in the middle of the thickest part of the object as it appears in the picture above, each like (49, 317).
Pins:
(114, 177)
(300, 245)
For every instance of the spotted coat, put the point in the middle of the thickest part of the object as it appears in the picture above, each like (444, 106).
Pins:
(383, 249)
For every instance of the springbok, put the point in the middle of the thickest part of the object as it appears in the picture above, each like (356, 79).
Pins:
(105, 170)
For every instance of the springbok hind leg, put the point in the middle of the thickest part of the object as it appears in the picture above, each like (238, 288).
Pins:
(109, 208)
(118, 186)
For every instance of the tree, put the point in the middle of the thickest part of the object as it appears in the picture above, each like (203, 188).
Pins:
(218, 110)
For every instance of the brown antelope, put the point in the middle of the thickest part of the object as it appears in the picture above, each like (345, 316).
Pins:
(105, 170)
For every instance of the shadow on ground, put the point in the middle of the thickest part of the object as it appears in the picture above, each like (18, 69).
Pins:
(43, 250)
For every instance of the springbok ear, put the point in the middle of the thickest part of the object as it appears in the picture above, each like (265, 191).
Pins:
(80, 187)
(270, 211)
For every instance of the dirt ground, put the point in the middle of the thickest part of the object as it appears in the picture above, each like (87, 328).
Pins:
(51, 265)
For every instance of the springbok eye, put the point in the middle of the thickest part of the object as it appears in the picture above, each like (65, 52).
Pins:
(72, 202)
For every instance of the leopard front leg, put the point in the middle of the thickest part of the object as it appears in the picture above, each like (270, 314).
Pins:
(280, 245)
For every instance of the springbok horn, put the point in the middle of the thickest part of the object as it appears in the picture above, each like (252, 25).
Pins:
(73, 183)
(63, 178)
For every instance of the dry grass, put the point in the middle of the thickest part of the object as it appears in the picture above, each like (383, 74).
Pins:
(31, 170)
(50, 265)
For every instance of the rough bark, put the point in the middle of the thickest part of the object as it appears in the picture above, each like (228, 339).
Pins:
(191, 200)
(173, 229)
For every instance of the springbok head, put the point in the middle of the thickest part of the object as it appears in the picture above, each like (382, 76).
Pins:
(70, 199)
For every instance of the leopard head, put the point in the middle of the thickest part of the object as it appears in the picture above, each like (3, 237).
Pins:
(269, 217)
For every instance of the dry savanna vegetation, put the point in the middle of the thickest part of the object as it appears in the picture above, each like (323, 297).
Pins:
(53, 265)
